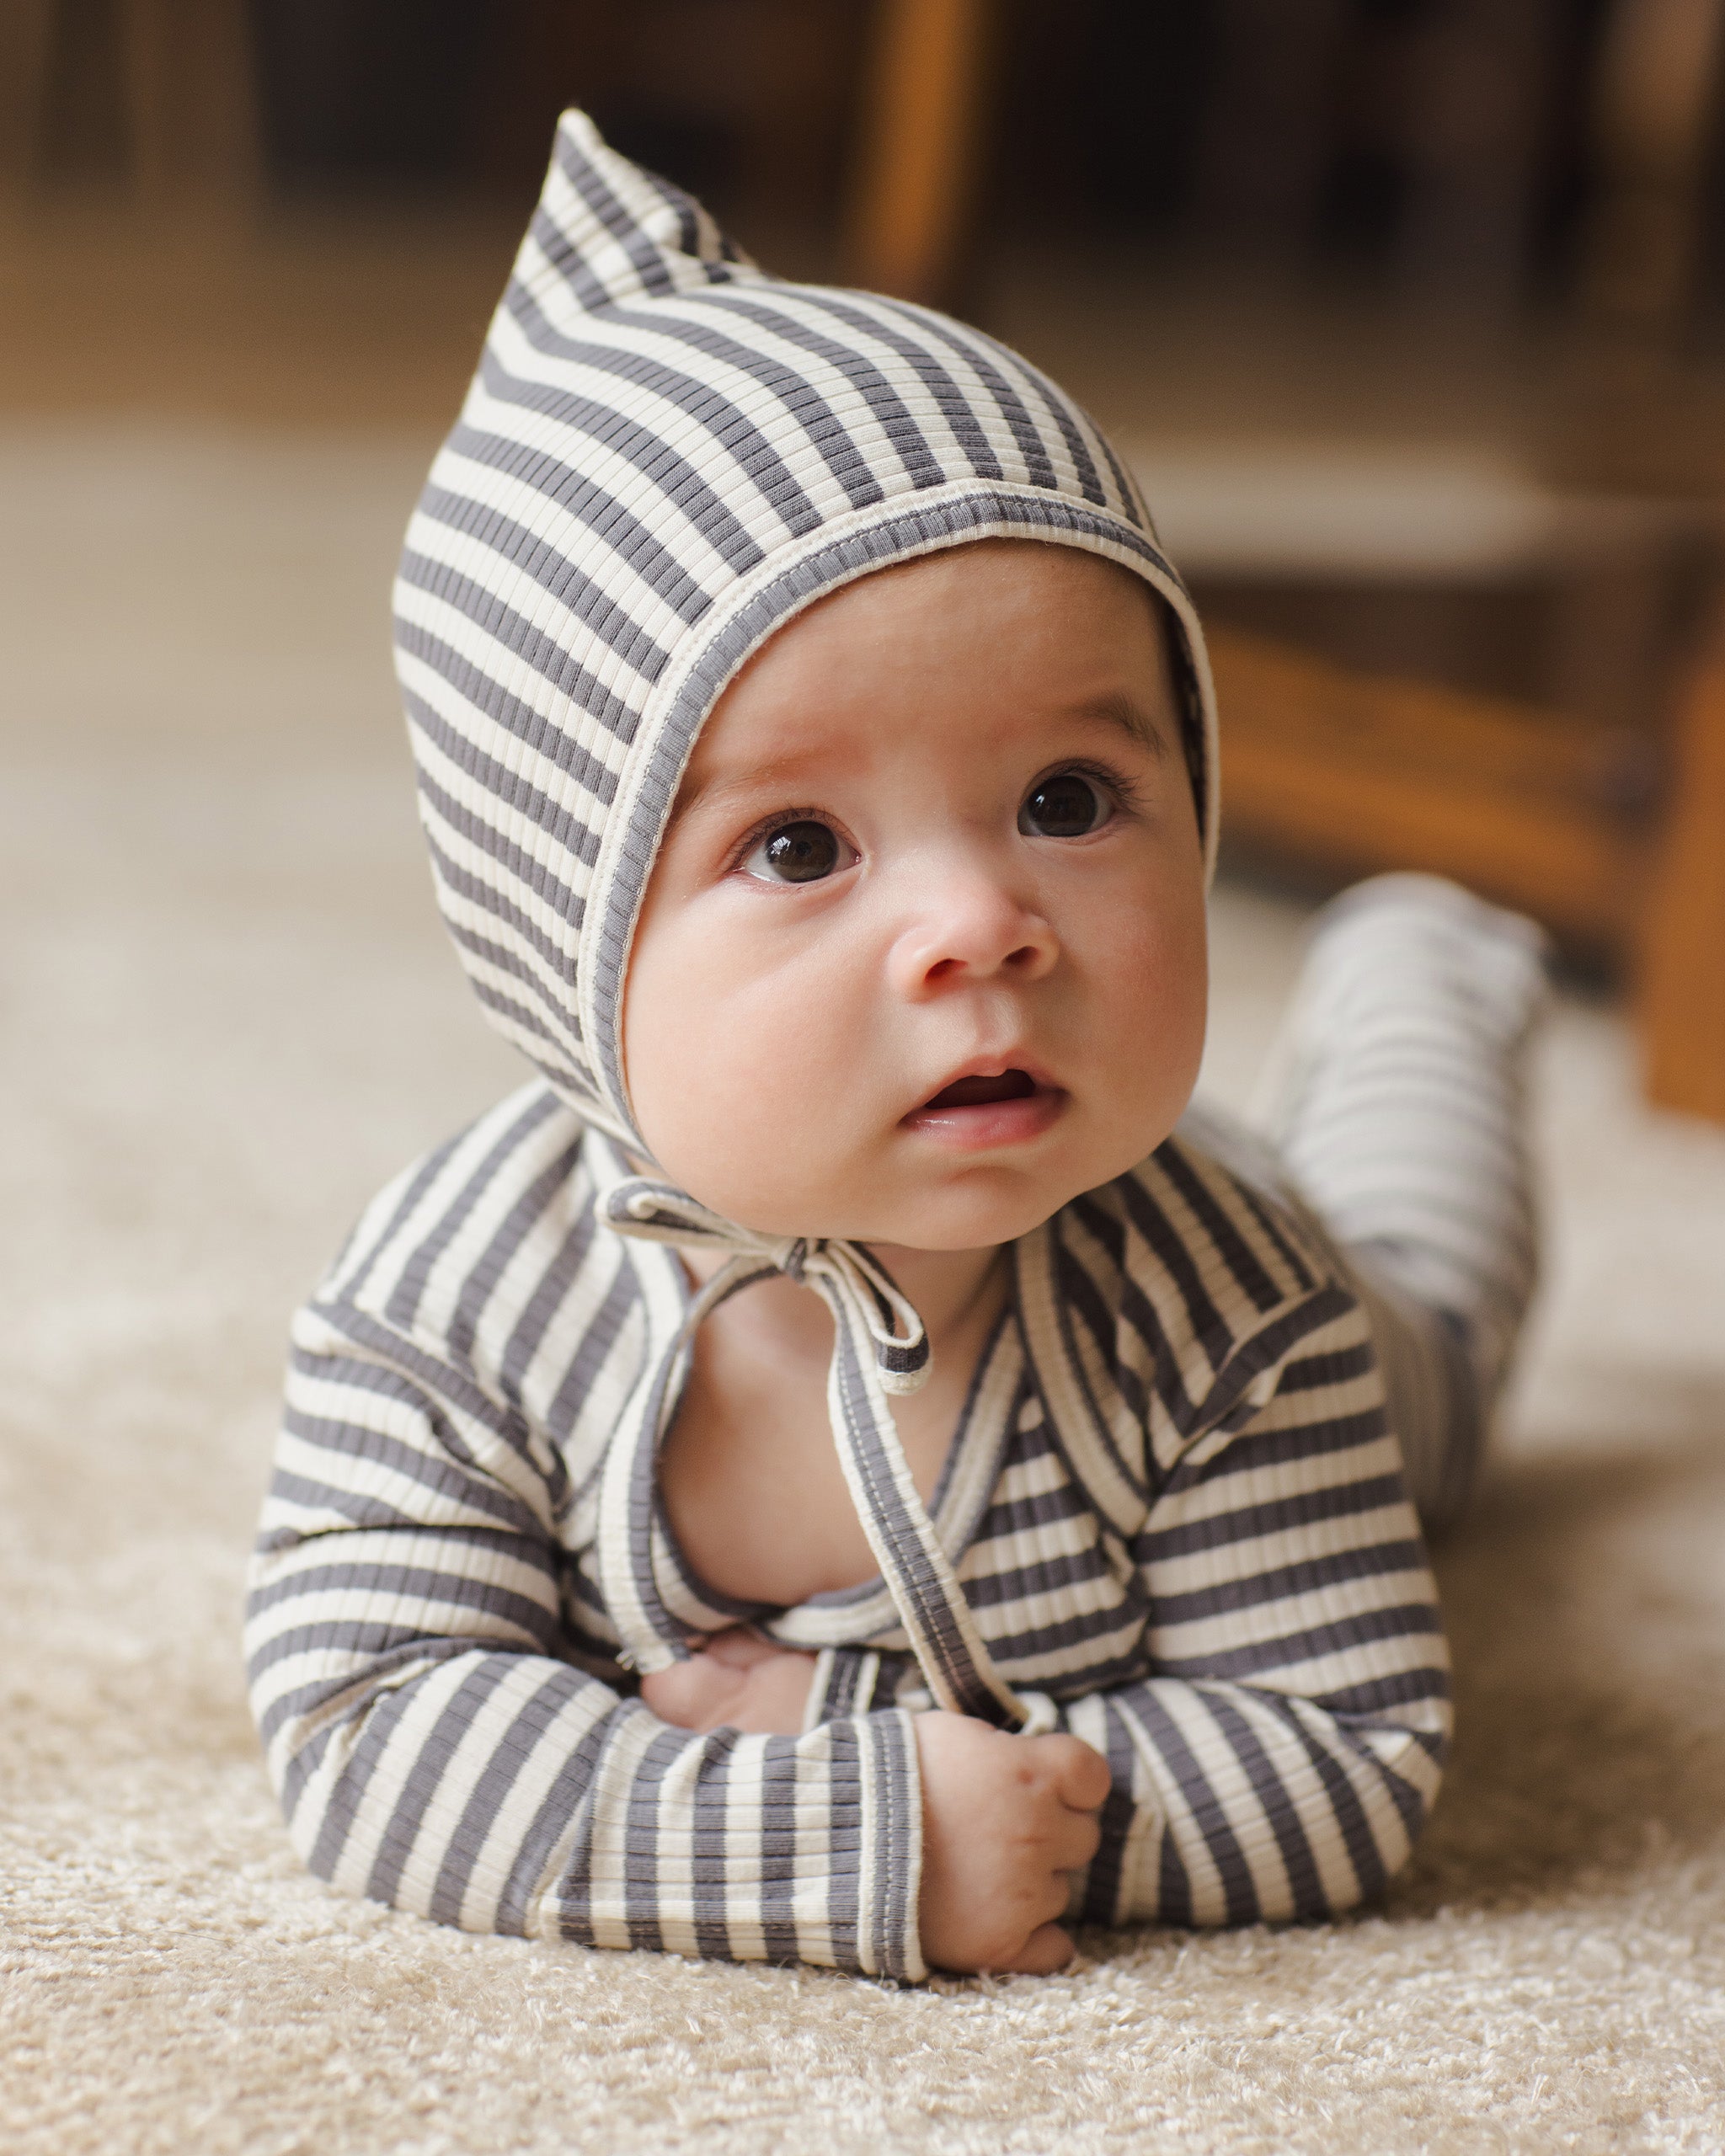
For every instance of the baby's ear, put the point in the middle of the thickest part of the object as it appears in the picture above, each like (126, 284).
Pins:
(607, 234)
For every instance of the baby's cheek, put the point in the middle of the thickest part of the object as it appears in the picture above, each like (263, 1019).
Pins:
(1152, 996)
(752, 1083)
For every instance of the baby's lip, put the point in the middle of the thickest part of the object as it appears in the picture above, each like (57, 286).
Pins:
(988, 1106)
(984, 1081)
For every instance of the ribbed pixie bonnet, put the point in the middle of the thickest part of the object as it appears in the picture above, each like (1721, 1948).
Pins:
(664, 454)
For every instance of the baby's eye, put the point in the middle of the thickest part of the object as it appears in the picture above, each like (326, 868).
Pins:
(1064, 807)
(796, 853)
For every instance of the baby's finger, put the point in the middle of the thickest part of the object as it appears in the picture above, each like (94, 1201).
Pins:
(687, 1692)
(1074, 1840)
(1084, 1779)
(1048, 1948)
(740, 1649)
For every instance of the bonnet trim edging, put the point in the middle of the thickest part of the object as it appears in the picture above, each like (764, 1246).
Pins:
(780, 588)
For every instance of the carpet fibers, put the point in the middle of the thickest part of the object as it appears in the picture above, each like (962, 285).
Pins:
(228, 1015)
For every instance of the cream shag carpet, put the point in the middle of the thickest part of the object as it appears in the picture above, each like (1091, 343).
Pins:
(228, 1015)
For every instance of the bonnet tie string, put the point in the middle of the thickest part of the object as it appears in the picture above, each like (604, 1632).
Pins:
(880, 1348)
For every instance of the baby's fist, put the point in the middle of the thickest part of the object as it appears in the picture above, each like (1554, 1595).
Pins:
(1005, 1821)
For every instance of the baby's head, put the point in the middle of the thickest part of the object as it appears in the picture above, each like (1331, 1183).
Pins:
(923, 956)
(815, 746)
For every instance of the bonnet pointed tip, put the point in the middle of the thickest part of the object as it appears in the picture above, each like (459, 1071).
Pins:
(609, 233)
(578, 134)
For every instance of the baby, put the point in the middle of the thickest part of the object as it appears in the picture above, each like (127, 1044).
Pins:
(829, 1472)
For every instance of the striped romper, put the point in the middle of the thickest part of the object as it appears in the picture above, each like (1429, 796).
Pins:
(1175, 1519)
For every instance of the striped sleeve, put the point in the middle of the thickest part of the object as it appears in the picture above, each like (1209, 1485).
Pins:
(1280, 1758)
(441, 1740)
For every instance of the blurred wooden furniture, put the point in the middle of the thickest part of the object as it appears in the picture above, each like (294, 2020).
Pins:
(1682, 943)
(1437, 662)
(1657, 92)
(1452, 120)
(1637, 411)
(26, 72)
(1345, 774)
(917, 166)
(186, 97)
(1459, 568)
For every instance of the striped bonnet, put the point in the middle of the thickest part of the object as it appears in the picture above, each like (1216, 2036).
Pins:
(666, 454)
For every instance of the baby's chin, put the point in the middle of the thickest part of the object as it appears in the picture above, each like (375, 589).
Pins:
(984, 1209)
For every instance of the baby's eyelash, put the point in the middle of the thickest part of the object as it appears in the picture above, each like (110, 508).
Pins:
(779, 820)
(1125, 789)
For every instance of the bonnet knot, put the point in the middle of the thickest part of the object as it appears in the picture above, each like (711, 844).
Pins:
(881, 1320)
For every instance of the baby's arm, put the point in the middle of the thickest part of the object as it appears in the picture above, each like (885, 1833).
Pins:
(1282, 1755)
(1007, 1820)
(437, 1746)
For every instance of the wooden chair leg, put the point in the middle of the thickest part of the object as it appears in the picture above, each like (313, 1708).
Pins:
(919, 145)
(26, 69)
(187, 68)
(1656, 106)
(1682, 985)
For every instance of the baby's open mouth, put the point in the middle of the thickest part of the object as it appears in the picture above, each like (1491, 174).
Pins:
(979, 1092)
(987, 1111)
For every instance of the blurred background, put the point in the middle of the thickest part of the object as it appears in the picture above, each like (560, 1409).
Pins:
(1410, 314)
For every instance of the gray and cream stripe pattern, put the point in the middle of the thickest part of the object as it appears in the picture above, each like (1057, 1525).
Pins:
(664, 455)
(867, 1308)
(1173, 1508)
(1172, 1519)
(1396, 1108)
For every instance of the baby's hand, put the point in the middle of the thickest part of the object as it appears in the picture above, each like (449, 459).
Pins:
(1004, 1820)
(735, 1680)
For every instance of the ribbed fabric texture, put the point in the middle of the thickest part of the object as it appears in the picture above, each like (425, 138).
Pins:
(1397, 1106)
(1174, 1519)
(664, 455)
(1174, 1508)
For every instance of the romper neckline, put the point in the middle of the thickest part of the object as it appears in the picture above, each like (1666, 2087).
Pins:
(849, 1616)
(880, 1348)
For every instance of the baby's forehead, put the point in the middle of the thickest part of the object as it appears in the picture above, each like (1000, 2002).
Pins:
(986, 604)
(983, 651)
(975, 630)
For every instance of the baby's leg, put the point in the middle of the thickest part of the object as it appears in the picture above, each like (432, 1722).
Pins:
(1393, 1109)
(1396, 1103)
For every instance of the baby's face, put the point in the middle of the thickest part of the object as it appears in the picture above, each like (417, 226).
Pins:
(923, 954)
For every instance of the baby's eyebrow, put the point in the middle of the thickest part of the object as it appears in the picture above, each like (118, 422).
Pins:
(1116, 708)
(1119, 708)
(718, 786)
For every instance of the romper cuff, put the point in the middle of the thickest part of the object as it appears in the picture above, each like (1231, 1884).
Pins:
(889, 1941)
(844, 1683)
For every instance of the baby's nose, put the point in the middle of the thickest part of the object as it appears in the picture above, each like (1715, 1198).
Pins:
(970, 928)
